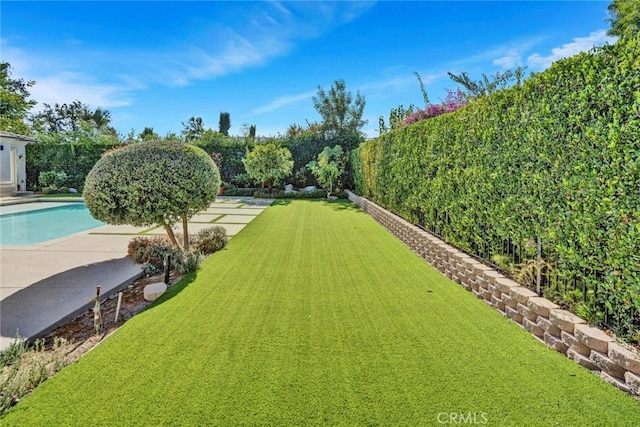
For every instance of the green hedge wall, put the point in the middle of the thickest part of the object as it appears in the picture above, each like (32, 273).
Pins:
(556, 159)
(76, 160)
(232, 151)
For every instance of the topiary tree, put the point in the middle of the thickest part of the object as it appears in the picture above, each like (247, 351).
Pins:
(268, 162)
(328, 168)
(149, 183)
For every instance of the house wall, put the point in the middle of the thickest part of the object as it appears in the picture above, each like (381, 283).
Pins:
(6, 168)
(13, 168)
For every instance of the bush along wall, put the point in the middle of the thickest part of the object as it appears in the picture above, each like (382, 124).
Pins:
(543, 176)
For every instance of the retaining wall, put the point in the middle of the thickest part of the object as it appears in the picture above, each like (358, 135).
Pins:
(557, 328)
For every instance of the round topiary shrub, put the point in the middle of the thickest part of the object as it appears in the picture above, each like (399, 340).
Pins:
(159, 182)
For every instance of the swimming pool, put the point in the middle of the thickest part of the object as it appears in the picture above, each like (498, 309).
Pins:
(22, 225)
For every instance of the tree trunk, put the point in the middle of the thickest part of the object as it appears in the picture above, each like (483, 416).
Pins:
(185, 233)
(172, 236)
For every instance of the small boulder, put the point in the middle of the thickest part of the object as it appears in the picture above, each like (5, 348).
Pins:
(154, 290)
(310, 189)
(288, 189)
(73, 190)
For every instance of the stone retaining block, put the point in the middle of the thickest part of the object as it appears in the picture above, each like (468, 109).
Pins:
(555, 343)
(616, 382)
(627, 359)
(504, 285)
(533, 327)
(593, 338)
(525, 312)
(541, 306)
(565, 320)
(513, 314)
(521, 295)
(574, 344)
(607, 365)
(548, 326)
(581, 360)
(633, 381)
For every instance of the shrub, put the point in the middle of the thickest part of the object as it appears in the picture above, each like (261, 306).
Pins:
(328, 168)
(242, 180)
(28, 367)
(454, 101)
(53, 182)
(150, 269)
(189, 262)
(139, 247)
(210, 240)
(152, 250)
(13, 353)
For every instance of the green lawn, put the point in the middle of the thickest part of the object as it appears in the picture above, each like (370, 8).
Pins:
(314, 314)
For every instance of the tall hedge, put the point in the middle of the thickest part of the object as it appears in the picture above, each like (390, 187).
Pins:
(232, 151)
(556, 159)
(75, 159)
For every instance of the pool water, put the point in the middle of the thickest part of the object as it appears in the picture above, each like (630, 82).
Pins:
(39, 225)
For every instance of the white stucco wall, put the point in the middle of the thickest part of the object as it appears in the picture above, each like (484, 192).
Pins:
(6, 168)
(13, 168)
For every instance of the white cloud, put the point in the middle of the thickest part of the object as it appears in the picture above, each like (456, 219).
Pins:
(511, 59)
(283, 101)
(579, 44)
(272, 31)
(55, 85)
(67, 87)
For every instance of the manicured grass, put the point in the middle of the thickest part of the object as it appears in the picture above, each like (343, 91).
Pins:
(314, 314)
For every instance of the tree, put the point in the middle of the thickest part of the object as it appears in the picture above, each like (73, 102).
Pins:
(148, 134)
(151, 183)
(193, 129)
(328, 168)
(267, 163)
(488, 84)
(341, 114)
(225, 123)
(100, 117)
(624, 18)
(247, 131)
(64, 118)
(14, 101)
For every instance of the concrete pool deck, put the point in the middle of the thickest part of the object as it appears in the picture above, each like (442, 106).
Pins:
(44, 285)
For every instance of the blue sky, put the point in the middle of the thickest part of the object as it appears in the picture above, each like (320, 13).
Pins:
(158, 63)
